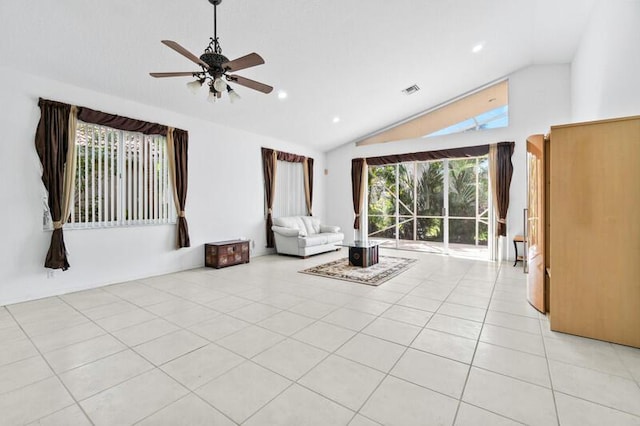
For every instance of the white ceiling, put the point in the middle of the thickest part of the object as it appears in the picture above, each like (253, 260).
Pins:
(346, 58)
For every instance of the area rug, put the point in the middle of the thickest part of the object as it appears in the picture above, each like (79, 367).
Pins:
(387, 267)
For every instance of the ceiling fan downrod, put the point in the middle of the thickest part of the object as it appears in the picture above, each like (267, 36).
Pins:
(213, 52)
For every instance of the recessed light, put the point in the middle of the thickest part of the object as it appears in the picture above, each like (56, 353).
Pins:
(477, 48)
(282, 94)
(336, 119)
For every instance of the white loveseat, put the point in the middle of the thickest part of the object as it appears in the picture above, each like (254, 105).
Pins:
(304, 236)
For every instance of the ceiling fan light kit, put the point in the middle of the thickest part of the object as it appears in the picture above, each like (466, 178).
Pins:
(233, 96)
(216, 67)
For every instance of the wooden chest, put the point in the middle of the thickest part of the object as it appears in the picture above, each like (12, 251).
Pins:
(226, 253)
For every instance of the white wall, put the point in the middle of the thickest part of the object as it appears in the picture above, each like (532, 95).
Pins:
(606, 68)
(225, 197)
(539, 96)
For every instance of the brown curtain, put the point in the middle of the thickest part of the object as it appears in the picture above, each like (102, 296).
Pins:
(55, 141)
(181, 145)
(503, 173)
(270, 158)
(52, 143)
(290, 158)
(357, 185)
(493, 180)
(310, 171)
(308, 184)
(89, 115)
(269, 171)
(468, 151)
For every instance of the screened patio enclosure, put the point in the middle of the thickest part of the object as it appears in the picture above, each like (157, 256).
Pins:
(438, 206)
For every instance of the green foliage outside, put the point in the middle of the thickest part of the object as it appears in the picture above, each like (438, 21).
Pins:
(93, 146)
(420, 197)
(97, 175)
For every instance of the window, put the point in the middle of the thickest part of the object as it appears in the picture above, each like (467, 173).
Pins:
(289, 198)
(492, 119)
(485, 108)
(440, 205)
(122, 178)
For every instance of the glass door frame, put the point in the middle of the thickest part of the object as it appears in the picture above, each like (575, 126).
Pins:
(415, 216)
(477, 218)
(445, 217)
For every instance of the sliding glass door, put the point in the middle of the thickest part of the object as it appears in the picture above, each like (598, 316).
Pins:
(468, 212)
(439, 206)
(430, 198)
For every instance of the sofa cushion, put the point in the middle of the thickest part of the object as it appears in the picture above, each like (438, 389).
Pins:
(294, 222)
(329, 228)
(334, 237)
(312, 240)
(286, 232)
(312, 224)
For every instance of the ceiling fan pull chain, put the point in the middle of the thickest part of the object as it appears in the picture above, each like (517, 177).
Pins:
(215, 26)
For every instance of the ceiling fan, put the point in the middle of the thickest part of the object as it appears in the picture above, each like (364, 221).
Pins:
(216, 67)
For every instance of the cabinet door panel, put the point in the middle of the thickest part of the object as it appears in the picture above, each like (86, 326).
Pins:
(595, 230)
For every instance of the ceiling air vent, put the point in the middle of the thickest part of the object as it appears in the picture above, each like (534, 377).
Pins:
(410, 90)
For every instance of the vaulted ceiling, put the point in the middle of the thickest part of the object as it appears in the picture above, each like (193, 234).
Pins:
(334, 58)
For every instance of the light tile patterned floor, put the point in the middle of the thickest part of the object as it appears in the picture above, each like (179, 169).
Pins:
(450, 341)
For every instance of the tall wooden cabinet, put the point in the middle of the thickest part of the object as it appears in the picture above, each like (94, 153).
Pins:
(593, 229)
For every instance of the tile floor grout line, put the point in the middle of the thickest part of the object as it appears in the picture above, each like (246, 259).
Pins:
(493, 412)
(268, 402)
(293, 382)
(517, 379)
(511, 349)
(153, 367)
(547, 362)
(73, 398)
(380, 315)
(624, 364)
(598, 403)
(180, 399)
(28, 384)
(475, 349)
(90, 362)
(353, 296)
(388, 373)
(245, 359)
(385, 340)
(628, 377)
(334, 353)
(186, 328)
(356, 333)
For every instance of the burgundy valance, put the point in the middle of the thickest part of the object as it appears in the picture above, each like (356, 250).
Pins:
(89, 115)
(290, 158)
(467, 151)
(286, 156)
(501, 184)
(119, 122)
